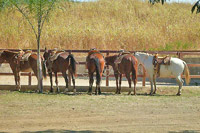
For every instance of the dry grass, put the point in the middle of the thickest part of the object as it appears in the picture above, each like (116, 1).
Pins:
(108, 24)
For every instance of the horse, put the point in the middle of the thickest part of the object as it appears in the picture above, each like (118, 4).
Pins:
(95, 63)
(175, 68)
(60, 61)
(18, 64)
(127, 64)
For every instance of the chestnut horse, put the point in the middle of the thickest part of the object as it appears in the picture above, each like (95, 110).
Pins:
(62, 62)
(95, 63)
(18, 65)
(128, 64)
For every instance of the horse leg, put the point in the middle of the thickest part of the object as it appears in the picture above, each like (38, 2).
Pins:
(50, 75)
(19, 85)
(134, 78)
(134, 82)
(56, 81)
(16, 83)
(154, 82)
(64, 74)
(98, 87)
(116, 78)
(180, 83)
(16, 75)
(129, 82)
(90, 83)
(120, 82)
(151, 82)
(73, 81)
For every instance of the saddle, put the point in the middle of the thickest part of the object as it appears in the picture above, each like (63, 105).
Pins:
(54, 54)
(121, 56)
(26, 55)
(158, 61)
(92, 52)
(119, 59)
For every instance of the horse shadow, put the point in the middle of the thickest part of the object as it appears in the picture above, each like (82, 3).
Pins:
(66, 131)
(185, 131)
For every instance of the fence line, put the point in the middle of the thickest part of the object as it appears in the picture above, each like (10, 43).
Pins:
(179, 54)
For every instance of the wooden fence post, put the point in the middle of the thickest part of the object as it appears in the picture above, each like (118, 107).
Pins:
(69, 75)
(107, 72)
(144, 76)
(29, 78)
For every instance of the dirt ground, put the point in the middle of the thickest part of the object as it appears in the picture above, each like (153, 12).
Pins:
(163, 112)
(30, 112)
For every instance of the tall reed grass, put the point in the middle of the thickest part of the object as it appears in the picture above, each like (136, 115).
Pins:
(107, 24)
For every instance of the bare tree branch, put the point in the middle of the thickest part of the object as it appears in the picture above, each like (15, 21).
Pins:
(46, 16)
(26, 17)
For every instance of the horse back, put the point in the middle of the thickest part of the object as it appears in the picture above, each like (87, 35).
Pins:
(127, 64)
(95, 56)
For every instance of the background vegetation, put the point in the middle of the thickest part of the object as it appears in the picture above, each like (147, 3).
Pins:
(107, 24)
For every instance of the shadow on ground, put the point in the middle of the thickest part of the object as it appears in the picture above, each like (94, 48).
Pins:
(66, 131)
(185, 131)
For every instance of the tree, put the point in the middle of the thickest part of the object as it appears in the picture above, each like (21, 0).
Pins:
(196, 5)
(156, 1)
(33, 10)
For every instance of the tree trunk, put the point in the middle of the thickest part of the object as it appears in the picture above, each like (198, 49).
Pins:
(39, 67)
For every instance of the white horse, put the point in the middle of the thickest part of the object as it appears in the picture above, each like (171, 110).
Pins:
(176, 68)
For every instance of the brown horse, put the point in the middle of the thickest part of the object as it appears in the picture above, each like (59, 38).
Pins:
(18, 64)
(127, 64)
(60, 61)
(95, 63)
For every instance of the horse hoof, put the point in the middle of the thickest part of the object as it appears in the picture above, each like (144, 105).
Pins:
(89, 93)
(66, 90)
(129, 92)
(178, 94)
(74, 91)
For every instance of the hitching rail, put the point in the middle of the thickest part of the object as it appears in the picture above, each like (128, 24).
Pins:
(179, 54)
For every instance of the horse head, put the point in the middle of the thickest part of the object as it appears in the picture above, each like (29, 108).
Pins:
(46, 54)
(2, 57)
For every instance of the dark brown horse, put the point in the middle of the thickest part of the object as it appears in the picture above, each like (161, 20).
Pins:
(18, 64)
(95, 63)
(127, 64)
(60, 61)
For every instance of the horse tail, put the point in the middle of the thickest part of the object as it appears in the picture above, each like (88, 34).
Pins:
(97, 65)
(44, 69)
(134, 69)
(72, 63)
(187, 73)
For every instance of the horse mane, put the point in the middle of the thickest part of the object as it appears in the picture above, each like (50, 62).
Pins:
(10, 53)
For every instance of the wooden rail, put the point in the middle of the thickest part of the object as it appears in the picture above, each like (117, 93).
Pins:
(179, 54)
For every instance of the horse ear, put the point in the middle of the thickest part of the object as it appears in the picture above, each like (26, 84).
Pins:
(45, 49)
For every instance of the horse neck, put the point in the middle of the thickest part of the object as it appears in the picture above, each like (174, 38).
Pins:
(9, 55)
(111, 59)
